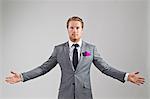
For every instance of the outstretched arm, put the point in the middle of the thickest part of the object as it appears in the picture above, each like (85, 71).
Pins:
(41, 70)
(133, 77)
(106, 68)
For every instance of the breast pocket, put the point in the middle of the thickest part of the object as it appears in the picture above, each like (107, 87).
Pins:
(87, 59)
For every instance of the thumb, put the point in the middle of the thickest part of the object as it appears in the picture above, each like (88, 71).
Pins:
(136, 72)
(12, 72)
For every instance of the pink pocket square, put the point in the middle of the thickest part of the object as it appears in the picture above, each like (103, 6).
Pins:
(86, 53)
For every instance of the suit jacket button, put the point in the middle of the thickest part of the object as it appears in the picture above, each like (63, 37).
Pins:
(73, 83)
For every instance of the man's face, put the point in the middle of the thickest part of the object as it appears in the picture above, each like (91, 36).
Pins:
(75, 30)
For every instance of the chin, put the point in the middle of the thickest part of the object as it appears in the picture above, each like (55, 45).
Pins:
(74, 40)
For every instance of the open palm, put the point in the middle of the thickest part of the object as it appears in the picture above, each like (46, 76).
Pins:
(13, 78)
(135, 78)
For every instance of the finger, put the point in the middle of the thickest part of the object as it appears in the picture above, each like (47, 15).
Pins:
(141, 78)
(9, 81)
(12, 82)
(13, 72)
(140, 81)
(136, 72)
(137, 83)
(8, 77)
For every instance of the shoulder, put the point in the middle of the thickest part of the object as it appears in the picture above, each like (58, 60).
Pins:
(61, 46)
(87, 44)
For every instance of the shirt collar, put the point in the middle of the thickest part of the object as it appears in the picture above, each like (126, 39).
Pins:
(71, 43)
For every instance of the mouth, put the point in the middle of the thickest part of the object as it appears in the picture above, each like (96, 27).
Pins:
(74, 34)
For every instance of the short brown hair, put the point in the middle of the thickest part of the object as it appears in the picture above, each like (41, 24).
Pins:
(75, 18)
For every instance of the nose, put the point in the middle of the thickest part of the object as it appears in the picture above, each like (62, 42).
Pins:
(74, 30)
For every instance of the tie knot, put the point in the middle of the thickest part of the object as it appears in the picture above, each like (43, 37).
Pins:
(76, 45)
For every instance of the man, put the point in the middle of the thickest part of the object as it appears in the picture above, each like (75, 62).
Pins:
(75, 58)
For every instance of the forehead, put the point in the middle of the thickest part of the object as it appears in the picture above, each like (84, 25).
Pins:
(75, 23)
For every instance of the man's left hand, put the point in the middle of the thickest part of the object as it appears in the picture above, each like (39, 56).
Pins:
(135, 78)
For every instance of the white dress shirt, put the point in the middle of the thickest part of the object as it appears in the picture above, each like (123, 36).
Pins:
(71, 48)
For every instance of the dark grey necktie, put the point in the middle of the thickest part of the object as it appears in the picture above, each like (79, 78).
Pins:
(75, 56)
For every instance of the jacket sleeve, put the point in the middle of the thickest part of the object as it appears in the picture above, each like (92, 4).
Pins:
(105, 68)
(43, 69)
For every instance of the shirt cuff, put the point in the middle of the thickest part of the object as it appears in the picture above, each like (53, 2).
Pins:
(21, 77)
(126, 77)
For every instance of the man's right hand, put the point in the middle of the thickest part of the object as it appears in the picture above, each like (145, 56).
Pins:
(13, 78)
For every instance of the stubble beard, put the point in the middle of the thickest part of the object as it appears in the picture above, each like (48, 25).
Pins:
(75, 40)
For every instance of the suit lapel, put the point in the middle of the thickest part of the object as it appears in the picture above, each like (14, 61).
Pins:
(66, 49)
(83, 48)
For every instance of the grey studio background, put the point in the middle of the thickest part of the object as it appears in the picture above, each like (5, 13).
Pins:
(30, 29)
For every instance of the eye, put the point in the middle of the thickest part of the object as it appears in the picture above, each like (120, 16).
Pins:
(71, 27)
(77, 27)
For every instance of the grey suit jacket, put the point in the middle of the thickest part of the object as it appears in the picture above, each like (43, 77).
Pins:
(75, 84)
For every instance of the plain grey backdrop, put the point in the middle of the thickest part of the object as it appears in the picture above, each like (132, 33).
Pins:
(0, 48)
(29, 30)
